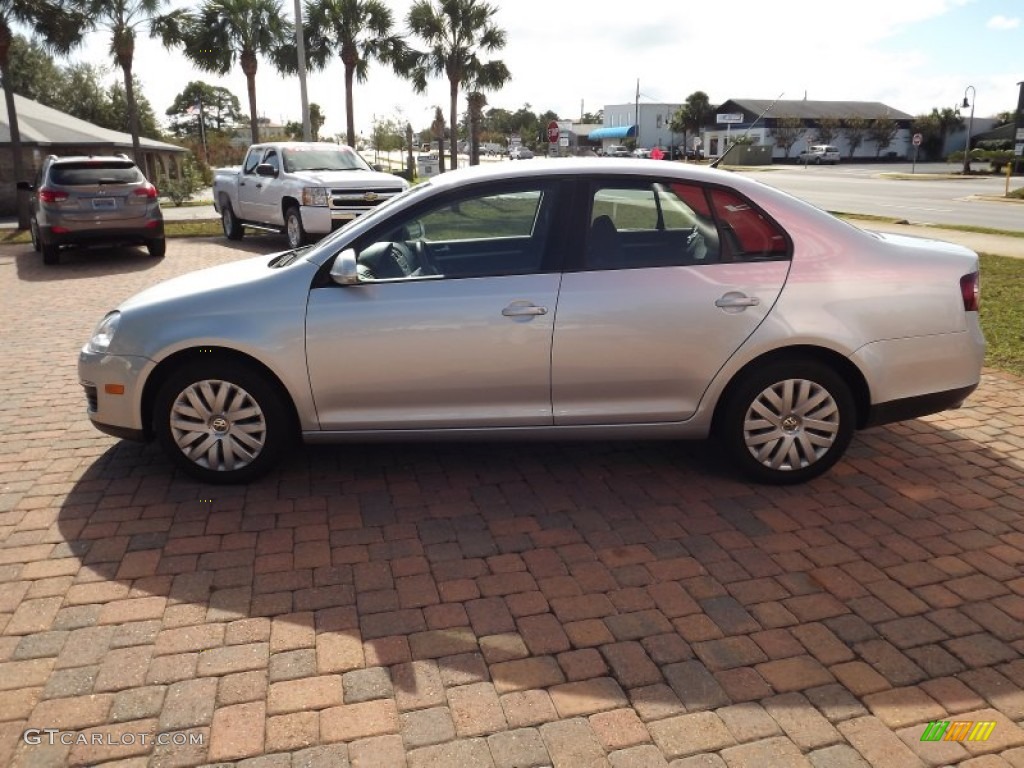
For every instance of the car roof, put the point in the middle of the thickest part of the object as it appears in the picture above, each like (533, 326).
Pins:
(87, 158)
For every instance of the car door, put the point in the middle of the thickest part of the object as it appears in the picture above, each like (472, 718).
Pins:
(251, 186)
(460, 342)
(674, 277)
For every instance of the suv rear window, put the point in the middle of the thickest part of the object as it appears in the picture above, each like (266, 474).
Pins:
(86, 173)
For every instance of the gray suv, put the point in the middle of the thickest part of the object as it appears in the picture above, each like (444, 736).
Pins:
(96, 199)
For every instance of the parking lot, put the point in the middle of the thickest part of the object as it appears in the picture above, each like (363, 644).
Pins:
(519, 604)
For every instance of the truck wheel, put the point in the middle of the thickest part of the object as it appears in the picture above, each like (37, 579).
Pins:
(232, 226)
(293, 229)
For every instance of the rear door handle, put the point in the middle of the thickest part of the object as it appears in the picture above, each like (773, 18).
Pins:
(523, 309)
(736, 300)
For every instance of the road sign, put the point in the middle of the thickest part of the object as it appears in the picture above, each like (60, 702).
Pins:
(918, 138)
(729, 117)
(553, 132)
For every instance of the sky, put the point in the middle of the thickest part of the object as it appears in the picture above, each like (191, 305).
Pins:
(570, 56)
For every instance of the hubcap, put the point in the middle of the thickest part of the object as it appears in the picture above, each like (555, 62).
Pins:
(227, 220)
(293, 232)
(218, 425)
(791, 424)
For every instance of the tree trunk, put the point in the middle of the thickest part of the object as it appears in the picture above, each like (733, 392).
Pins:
(453, 122)
(350, 121)
(17, 166)
(248, 60)
(476, 102)
(125, 57)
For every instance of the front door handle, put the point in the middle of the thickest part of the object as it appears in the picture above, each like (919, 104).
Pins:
(737, 301)
(523, 309)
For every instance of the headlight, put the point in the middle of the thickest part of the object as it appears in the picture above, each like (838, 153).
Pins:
(314, 196)
(104, 333)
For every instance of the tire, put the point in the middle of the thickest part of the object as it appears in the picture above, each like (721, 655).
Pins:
(232, 226)
(51, 254)
(764, 428)
(228, 410)
(293, 229)
(33, 228)
(157, 247)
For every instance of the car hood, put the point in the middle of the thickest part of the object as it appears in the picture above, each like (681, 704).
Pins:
(349, 179)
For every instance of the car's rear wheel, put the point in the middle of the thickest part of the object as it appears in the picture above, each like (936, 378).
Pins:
(788, 422)
(51, 253)
(157, 247)
(33, 228)
(221, 421)
(233, 229)
(293, 228)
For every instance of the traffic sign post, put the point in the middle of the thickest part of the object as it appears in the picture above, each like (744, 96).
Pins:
(918, 138)
(553, 135)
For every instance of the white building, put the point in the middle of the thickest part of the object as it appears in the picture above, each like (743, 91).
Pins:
(649, 125)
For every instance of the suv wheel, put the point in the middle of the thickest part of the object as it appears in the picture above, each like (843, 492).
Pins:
(293, 228)
(232, 226)
(33, 229)
(51, 253)
(788, 422)
(157, 247)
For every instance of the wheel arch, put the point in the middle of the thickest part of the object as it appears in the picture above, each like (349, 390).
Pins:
(849, 372)
(168, 365)
(287, 202)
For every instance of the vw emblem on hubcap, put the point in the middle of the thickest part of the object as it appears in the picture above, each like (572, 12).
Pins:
(220, 425)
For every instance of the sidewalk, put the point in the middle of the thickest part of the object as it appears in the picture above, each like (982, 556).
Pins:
(976, 241)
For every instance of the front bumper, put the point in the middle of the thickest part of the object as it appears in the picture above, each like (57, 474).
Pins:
(101, 375)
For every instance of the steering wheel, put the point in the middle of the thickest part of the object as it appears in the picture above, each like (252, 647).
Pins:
(402, 257)
(423, 258)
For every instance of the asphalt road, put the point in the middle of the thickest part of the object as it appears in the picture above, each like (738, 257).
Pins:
(862, 189)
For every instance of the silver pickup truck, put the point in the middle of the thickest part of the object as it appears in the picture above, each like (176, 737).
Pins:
(304, 189)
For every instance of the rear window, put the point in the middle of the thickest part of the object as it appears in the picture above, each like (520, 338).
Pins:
(87, 173)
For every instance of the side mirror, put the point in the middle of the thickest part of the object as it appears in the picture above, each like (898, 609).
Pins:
(377, 167)
(345, 271)
(266, 169)
(26, 186)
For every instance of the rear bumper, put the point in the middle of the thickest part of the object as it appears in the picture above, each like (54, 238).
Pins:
(107, 235)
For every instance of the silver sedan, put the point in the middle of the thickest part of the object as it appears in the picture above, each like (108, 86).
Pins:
(574, 299)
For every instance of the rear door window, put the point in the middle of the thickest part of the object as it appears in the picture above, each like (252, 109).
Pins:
(88, 173)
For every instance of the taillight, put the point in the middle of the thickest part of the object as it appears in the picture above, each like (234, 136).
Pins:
(147, 191)
(970, 289)
(47, 195)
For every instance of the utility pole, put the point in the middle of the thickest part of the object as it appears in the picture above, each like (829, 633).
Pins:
(636, 112)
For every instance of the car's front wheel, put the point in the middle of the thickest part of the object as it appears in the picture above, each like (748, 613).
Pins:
(787, 422)
(293, 228)
(221, 421)
(33, 227)
(233, 229)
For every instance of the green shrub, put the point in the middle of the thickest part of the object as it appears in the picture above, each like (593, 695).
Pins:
(189, 181)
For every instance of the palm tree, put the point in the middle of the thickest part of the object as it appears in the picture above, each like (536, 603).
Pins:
(359, 31)
(60, 30)
(122, 18)
(223, 31)
(455, 32)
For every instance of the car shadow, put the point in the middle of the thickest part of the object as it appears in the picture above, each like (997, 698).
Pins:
(77, 263)
(452, 564)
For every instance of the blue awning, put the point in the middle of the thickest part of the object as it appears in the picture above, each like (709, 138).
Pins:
(620, 132)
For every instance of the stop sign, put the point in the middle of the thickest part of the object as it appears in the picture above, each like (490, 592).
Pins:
(553, 132)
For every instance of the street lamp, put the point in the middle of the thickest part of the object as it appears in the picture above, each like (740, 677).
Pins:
(970, 125)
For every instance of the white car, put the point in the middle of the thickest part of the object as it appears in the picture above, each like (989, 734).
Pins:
(820, 153)
(519, 152)
(572, 298)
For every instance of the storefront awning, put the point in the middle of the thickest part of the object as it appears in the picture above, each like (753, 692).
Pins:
(619, 132)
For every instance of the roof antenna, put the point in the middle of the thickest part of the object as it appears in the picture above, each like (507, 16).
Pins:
(715, 163)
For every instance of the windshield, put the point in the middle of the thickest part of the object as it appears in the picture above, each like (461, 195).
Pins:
(323, 159)
(372, 217)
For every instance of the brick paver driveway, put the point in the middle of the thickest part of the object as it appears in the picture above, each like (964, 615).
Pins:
(508, 605)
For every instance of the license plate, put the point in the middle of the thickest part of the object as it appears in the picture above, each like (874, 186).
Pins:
(104, 203)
